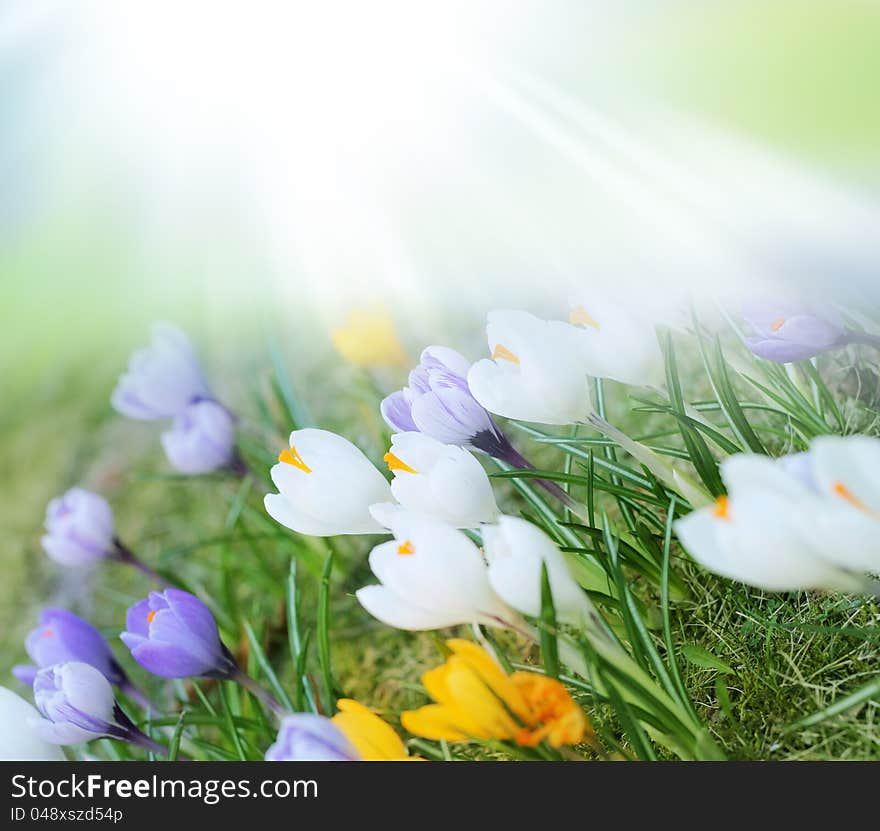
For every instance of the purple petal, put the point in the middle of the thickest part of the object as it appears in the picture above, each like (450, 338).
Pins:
(397, 413)
(169, 661)
(25, 673)
(136, 618)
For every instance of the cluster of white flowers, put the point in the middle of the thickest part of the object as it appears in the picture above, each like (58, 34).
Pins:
(804, 521)
(432, 575)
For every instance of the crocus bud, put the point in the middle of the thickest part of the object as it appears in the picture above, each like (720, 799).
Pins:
(77, 705)
(432, 576)
(326, 486)
(62, 637)
(304, 737)
(438, 403)
(202, 438)
(516, 551)
(617, 341)
(79, 528)
(20, 741)
(536, 371)
(162, 379)
(764, 531)
(787, 331)
(174, 635)
(440, 480)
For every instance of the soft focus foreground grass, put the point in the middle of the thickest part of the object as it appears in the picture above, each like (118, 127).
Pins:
(782, 657)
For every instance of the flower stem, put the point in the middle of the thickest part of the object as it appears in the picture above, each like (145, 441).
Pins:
(238, 466)
(258, 692)
(863, 338)
(508, 453)
(667, 472)
(142, 740)
(137, 696)
(123, 554)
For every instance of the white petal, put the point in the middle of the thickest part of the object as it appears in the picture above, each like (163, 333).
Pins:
(19, 741)
(417, 450)
(282, 511)
(392, 610)
(852, 463)
(516, 550)
(745, 473)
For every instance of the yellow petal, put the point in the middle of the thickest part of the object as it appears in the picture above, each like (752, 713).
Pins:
(435, 721)
(480, 711)
(373, 739)
(491, 674)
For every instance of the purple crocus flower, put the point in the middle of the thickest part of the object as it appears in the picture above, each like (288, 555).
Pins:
(439, 404)
(202, 438)
(162, 379)
(77, 705)
(304, 737)
(174, 635)
(79, 528)
(79, 531)
(63, 636)
(788, 331)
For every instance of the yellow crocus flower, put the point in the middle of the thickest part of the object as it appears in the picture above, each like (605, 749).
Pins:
(368, 338)
(476, 699)
(374, 740)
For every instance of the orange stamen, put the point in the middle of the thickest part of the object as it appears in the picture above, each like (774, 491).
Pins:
(501, 351)
(151, 615)
(845, 493)
(722, 508)
(777, 324)
(394, 463)
(406, 547)
(47, 633)
(580, 316)
(292, 457)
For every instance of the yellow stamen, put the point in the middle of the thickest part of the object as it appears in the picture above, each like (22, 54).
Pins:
(406, 547)
(501, 351)
(394, 463)
(581, 317)
(722, 508)
(777, 324)
(292, 457)
(151, 615)
(845, 493)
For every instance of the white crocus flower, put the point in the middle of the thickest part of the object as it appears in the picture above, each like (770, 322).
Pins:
(617, 341)
(162, 379)
(19, 741)
(440, 480)
(536, 372)
(846, 474)
(763, 532)
(516, 550)
(431, 576)
(326, 486)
